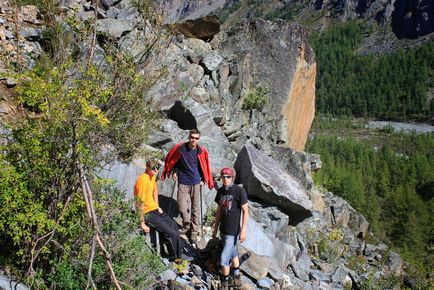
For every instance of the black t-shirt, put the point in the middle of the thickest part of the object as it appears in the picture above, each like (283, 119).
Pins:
(230, 202)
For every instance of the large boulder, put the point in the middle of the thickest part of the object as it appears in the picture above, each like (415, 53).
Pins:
(202, 28)
(114, 27)
(265, 180)
(275, 57)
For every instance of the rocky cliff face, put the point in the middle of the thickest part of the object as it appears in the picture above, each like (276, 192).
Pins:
(299, 236)
(275, 57)
(407, 18)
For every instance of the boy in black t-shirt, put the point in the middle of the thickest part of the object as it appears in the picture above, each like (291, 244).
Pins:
(231, 200)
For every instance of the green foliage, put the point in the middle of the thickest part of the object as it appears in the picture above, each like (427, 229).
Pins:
(256, 99)
(77, 115)
(330, 250)
(380, 177)
(228, 10)
(210, 216)
(380, 282)
(356, 262)
(393, 86)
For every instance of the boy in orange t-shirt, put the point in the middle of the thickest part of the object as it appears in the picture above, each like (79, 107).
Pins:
(151, 215)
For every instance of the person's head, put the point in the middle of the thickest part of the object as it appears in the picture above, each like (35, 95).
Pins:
(152, 167)
(227, 176)
(193, 138)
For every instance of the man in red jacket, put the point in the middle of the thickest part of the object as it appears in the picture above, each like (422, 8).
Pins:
(189, 165)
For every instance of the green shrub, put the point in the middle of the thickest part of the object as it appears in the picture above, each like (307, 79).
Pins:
(330, 250)
(256, 99)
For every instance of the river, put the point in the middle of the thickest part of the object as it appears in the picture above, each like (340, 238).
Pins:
(419, 128)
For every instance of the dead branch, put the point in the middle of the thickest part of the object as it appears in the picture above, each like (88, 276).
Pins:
(89, 271)
(87, 193)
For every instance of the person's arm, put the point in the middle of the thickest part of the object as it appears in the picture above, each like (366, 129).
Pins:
(216, 222)
(243, 232)
(139, 209)
(175, 171)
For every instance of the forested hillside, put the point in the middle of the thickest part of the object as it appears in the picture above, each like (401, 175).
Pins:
(389, 86)
(387, 176)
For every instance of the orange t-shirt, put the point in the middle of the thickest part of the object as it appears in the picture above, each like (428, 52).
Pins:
(144, 189)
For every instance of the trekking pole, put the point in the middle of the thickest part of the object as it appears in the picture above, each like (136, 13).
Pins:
(173, 193)
(201, 211)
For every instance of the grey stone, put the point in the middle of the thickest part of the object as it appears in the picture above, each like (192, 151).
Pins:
(114, 27)
(100, 12)
(2, 21)
(265, 179)
(87, 5)
(197, 271)
(9, 35)
(257, 241)
(301, 267)
(265, 283)
(109, 3)
(319, 275)
(3, 109)
(129, 14)
(113, 12)
(199, 94)
(395, 263)
(196, 72)
(67, 4)
(358, 224)
(32, 34)
(11, 82)
(371, 250)
(86, 15)
(247, 283)
(325, 286)
(181, 281)
(167, 275)
(357, 245)
(211, 60)
(8, 283)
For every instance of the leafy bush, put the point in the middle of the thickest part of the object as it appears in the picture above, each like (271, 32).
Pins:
(77, 116)
(330, 250)
(256, 99)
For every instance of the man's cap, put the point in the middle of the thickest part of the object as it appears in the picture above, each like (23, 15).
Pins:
(227, 171)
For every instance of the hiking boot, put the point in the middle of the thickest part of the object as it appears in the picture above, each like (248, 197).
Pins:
(224, 285)
(237, 281)
(193, 238)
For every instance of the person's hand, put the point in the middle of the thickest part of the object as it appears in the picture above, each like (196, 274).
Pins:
(144, 227)
(160, 210)
(175, 177)
(242, 236)
(201, 183)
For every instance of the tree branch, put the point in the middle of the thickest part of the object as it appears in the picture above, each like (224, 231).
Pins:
(90, 209)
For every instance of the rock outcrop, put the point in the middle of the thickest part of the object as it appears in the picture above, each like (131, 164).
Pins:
(202, 28)
(265, 180)
(275, 57)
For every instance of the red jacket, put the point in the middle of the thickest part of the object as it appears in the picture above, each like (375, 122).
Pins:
(175, 154)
